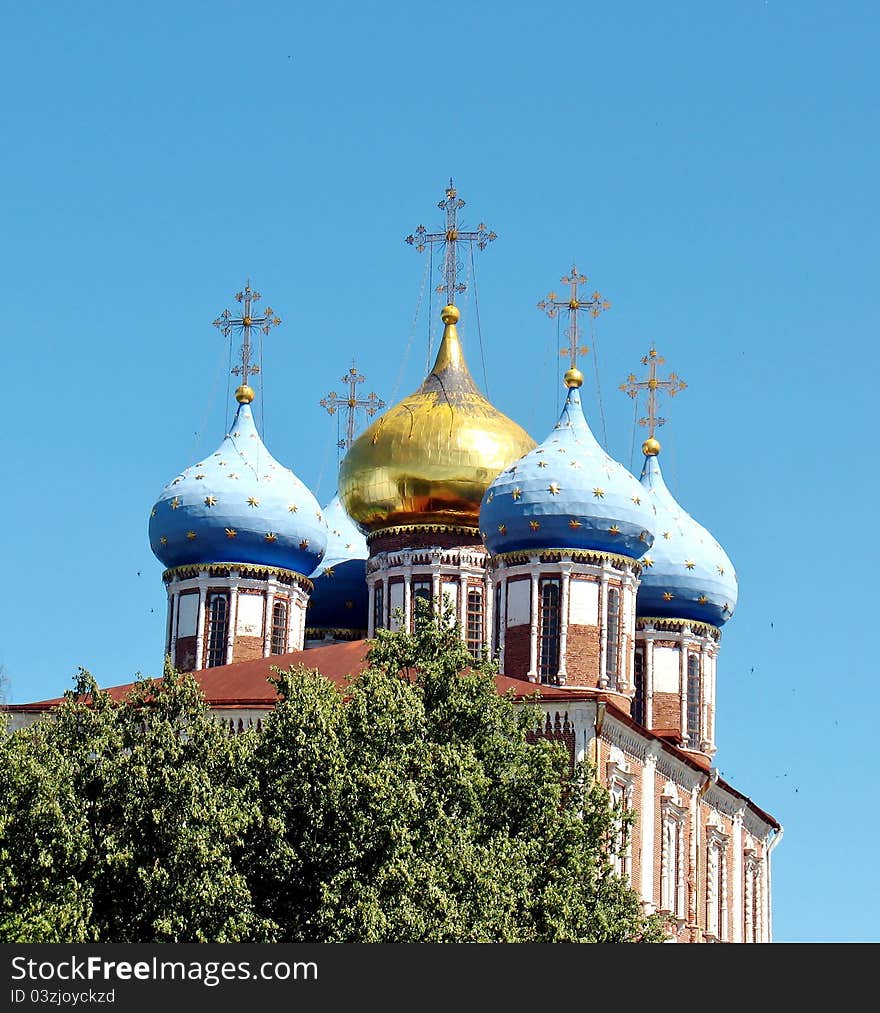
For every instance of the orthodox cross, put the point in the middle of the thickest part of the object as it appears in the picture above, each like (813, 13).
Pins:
(243, 325)
(371, 404)
(672, 385)
(453, 235)
(594, 306)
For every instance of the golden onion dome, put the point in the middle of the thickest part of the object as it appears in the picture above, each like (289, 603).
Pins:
(429, 459)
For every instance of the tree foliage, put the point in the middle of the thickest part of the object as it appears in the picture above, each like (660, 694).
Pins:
(415, 807)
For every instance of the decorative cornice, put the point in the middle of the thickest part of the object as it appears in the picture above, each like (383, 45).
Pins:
(408, 529)
(699, 629)
(567, 555)
(243, 569)
(674, 770)
(758, 828)
(719, 799)
(460, 557)
(322, 633)
(620, 736)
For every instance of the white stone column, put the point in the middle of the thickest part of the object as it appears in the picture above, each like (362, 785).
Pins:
(563, 625)
(502, 622)
(649, 681)
(462, 604)
(533, 624)
(174, 609)
(488, 611)
(233, 619)
(705, 691)
(764, 933)
(737, 877)
(407, 599)
(683, 685)
(269, 620)
(371, 609)
(694, 901)
(646, 856)
(201, 632)
(603, 626)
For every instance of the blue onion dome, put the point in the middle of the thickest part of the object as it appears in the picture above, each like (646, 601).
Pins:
(339, 599)
(567, 493)
(239, 505)
(685, 574)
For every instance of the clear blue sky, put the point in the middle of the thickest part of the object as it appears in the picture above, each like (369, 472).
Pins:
(711, 167)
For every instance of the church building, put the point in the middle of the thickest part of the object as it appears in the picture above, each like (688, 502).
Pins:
(591, 588)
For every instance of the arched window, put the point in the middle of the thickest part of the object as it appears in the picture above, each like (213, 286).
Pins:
(218, 629)
(475, 621)
(693, 701)
(548, 629)
(612, 640)
(279, 627)
(497, 621)
(638, 704)
(421, 588)
(379, 607)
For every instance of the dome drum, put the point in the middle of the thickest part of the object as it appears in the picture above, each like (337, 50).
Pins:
(568, 624)
(676, 665)
(221, 615)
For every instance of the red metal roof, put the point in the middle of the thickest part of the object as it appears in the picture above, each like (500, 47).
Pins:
(245, 684)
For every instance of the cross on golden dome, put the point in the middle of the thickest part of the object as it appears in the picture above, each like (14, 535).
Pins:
(594, 305)
(243, 325)
(371, 404)
(672, 385)
(450, 237)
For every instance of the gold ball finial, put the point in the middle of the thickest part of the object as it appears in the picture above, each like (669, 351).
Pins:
(244, 394)
(651, 447)
(450, 314)
(573, 377)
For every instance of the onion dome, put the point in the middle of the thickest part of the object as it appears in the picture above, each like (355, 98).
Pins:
(339, 599)
(567, 494)
(239, 505)
(429, 459)
(686, 574)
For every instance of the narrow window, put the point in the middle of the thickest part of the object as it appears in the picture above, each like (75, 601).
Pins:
(475, 621)
(279, 627)
(218, 629)
(379, 607)
(497, 620)
(612, 643)
(420, 589)
(549, 628)
(638, 704)
(721, 928)
(693, 701)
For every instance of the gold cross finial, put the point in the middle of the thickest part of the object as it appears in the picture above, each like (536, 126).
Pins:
(451, 236)
(371, 404)
(672, 385)
(243, 325)
(594, 306)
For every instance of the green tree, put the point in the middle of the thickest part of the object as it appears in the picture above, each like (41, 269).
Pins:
(418, 809)
(415, 806)
(138, 815)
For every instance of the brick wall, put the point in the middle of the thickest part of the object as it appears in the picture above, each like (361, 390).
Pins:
(667, 711)
(185, 654)
(247, 648)
(582, 656)
(516, 652)
(422, 539)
